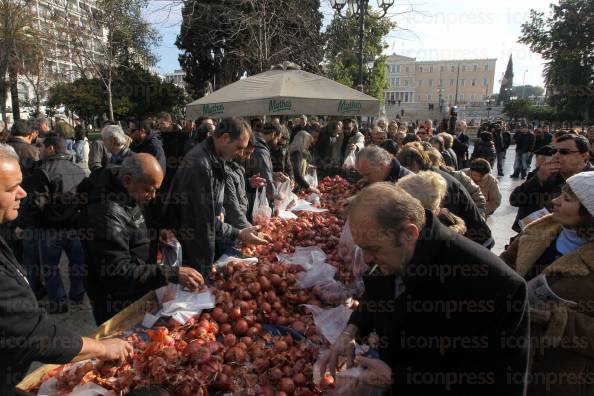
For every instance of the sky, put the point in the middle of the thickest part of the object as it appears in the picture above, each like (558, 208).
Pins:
(427, 30)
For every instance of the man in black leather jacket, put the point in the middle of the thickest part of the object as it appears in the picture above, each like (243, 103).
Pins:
(116, 242)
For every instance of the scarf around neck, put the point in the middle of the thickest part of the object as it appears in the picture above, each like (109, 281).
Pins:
(568, 241)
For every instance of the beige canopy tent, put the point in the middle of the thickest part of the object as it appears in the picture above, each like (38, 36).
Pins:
(284, 92)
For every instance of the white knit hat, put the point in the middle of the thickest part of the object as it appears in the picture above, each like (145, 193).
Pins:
(582, 186)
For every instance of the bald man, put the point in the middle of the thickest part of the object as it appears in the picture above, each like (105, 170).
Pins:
(116, 240)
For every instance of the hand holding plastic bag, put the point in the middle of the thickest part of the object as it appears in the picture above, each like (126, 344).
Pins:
(350, 161)
(261, 212)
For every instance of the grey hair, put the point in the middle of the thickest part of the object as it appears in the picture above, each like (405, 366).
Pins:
(7, 152)
(116, 134)
(132, 166)
(376, 156)
(39, 122)
(303, 118)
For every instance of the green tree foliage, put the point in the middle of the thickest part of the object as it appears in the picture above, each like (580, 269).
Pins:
(342, 52)
(519, 108)
(222, 40)
(136, 93)
(565, 39)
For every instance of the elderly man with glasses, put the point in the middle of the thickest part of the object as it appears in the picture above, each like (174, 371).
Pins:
(570, 156)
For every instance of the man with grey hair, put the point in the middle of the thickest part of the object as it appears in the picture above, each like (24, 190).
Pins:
(27, 334)
(374, 164)
(41, 126)
(117, 143)
(431, 284)
(119, 271)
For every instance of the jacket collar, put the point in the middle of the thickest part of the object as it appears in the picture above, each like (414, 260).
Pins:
(538, 236)
(394, 174)
(57, 157)
(217, 163)
(430, 244)
(261, 141)
(17, 139)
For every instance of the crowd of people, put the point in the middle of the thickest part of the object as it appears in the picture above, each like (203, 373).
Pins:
(113, 205)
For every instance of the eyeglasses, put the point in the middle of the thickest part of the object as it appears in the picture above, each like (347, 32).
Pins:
(564, 151)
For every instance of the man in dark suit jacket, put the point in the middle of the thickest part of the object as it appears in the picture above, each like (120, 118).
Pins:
(451, 317)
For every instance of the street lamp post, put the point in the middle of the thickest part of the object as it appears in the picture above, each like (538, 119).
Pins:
(360, 10)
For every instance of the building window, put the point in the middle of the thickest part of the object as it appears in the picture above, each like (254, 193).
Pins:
(475, 68)
(430, 83)
(420, 83)
(461, 96)
(451, 83)
(421, 69)
(407, 69)
(486, 67)
(398, 69)
(484, 82)
(472, 98)
(406, 83)
(463, 67)
(429, 98)
(450, 97)
(453, 68)
(418, 98)
(462, 82)
(397, 82)
(473, 82)
(440, 83)
(442, 69)
(430, 69)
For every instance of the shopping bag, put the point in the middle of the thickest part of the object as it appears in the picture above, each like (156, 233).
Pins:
(262, 211)
(311, 177)
(350, 161)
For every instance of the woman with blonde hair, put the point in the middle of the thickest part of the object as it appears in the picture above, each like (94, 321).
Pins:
(431, 188)
(300, 157)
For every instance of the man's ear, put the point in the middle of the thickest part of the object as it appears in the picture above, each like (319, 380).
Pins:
(410, 234)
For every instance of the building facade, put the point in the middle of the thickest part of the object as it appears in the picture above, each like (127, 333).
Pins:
(447, 82)
(177, 78)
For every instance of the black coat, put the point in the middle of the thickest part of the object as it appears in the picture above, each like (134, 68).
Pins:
(460, 145)
(175, 144)
(27, 334)
(116, 246)
(459, 327)
(28, 154)
(459, 201)
(260, 162)
(397, 171)
(524, 141)
(485, 149)
(51, 191)
(194, 205)
(530, 196)
(153, 145)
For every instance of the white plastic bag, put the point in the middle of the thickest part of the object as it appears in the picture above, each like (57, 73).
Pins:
(321, 273)
(350, 161)
(306, 256)
(261, 212)
(311, 177)
(288, 200)
(330, 322)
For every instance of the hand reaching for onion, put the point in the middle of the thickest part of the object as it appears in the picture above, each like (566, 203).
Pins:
(253, 236)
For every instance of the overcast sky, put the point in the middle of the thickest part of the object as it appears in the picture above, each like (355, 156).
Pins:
(435, 29)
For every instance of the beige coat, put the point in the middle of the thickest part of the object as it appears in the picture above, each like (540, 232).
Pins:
(490, 189)
(562, 357)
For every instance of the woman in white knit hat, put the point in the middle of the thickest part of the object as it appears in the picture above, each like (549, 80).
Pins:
(556, 255)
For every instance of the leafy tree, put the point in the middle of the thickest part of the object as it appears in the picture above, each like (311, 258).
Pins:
(136, 93)
(565, 39)
(342, 52)
(519, 108)
(222, 40)
(127, 39)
